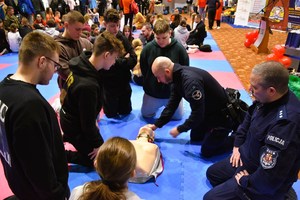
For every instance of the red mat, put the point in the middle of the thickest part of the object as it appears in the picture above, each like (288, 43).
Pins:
(215, 55)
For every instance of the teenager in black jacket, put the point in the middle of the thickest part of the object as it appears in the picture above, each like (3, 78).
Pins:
(82, 101)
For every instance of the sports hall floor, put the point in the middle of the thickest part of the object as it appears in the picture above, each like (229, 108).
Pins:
(184, 169)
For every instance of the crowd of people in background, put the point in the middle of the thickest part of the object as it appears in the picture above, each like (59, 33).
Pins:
(48, 17)
(90, 45)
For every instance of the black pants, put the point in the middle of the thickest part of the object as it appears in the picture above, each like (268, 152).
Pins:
(128, 16)
(138, 80)
(144, 9)
(211, 17)
(221, 176)
(117, 102)
(214, 134)
(80, 156)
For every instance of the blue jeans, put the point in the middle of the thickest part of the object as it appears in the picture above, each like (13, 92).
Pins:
(151, 105)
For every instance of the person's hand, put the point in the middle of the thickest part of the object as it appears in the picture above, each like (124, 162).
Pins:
(235, 158)
(93, 154)
(174, 132)
(152, 126)
(239, 175)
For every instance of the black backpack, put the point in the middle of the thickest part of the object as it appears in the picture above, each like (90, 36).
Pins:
(205, 48)
(236, 108)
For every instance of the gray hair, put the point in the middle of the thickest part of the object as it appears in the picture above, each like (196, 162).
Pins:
(273, 74)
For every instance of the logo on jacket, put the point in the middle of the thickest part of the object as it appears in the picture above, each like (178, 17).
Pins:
(197, 95)
(268, 158)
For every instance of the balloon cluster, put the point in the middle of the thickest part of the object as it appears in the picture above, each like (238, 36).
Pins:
(278, 55)
(251, 37)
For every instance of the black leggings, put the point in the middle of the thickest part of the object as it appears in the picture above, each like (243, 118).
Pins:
(130, 17)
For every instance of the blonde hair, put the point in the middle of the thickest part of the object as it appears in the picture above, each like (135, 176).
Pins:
(161, 26)
(36, 44)
(115, 163)
(73, 16)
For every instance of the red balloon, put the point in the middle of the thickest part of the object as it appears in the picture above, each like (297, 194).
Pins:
(278, 50)
(247, 43)
(272, 56)
(286, 61)
(255, 33)
(248, 35)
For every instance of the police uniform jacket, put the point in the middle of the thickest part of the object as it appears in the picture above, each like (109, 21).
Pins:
(268, 141)
(206, 96)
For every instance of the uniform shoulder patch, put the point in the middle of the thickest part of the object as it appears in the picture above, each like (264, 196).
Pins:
(268, 158)
(197, 95)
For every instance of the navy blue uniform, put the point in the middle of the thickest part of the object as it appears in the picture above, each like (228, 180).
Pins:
(207, 100)
(268, 142)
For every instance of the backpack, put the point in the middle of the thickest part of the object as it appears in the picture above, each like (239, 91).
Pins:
(236, 108)
(2, 14)
(205, 48)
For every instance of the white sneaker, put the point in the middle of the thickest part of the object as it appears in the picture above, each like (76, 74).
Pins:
(218, 27)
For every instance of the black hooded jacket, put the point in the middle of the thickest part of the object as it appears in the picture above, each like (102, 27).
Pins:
(119, 75)
(82, 104)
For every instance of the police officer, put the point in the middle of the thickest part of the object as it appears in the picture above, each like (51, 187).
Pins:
(266, 155)
(207, 99)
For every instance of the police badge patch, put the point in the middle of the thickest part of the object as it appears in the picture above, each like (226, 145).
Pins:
(197, 95)
(268, 158)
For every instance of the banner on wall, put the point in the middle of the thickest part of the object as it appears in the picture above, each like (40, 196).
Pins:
(278, 13)
(256, 13)
(242, 12)
(249, 12)
(294, 14)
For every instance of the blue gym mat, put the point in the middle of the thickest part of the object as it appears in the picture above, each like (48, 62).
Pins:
(184, 172)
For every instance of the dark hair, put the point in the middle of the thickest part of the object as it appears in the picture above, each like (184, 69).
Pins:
(115, 163)
(126, 27)
(148, 17)
(183, 23)
(111, 15)
(177, 19)
(51, 23)
(13, 27)
(107, 42)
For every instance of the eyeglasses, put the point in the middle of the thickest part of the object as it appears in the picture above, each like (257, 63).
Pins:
(57, 66)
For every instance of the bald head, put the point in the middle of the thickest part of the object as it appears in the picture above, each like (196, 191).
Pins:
(162, 69)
